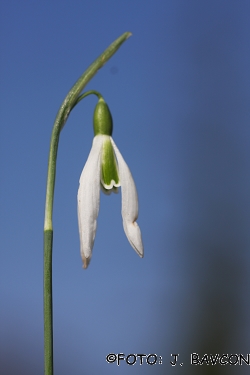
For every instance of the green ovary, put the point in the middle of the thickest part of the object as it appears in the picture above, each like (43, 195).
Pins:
(109, 174)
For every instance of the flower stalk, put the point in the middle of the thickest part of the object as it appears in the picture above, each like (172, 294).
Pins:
(72, 98)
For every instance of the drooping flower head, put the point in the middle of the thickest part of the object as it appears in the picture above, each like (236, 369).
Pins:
(105, 168)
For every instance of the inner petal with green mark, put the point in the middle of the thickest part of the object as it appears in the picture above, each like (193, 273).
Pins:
(109, 170)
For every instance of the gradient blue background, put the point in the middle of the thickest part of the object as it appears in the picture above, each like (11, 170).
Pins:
(179, 93)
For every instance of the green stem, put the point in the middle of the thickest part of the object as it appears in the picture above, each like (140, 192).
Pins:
(48, 313)
(68, 104)
(91, 92)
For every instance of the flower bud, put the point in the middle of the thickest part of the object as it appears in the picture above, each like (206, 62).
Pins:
(103, 123)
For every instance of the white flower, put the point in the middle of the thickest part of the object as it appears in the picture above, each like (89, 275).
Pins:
(105, 166)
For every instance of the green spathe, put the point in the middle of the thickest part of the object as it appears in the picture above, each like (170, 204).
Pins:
(109, 171)
(103, 123)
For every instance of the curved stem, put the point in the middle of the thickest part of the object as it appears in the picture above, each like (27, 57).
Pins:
(91, 92)
(69, 102)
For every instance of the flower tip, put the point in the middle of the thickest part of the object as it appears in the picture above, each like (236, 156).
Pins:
(86, 262)
(133, 234)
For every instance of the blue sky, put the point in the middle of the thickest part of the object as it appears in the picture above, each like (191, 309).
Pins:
(179, 92)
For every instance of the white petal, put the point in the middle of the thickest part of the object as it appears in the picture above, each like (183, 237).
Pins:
(88, 198)
(129, 203)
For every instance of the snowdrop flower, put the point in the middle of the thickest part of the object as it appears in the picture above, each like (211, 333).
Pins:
(106, 169)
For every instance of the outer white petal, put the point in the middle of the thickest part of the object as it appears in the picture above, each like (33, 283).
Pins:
(129, 203)
(88, 198)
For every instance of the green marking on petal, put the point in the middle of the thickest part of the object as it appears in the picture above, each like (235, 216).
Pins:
(109, 175)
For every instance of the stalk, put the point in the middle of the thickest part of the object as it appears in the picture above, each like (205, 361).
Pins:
(72, 98)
